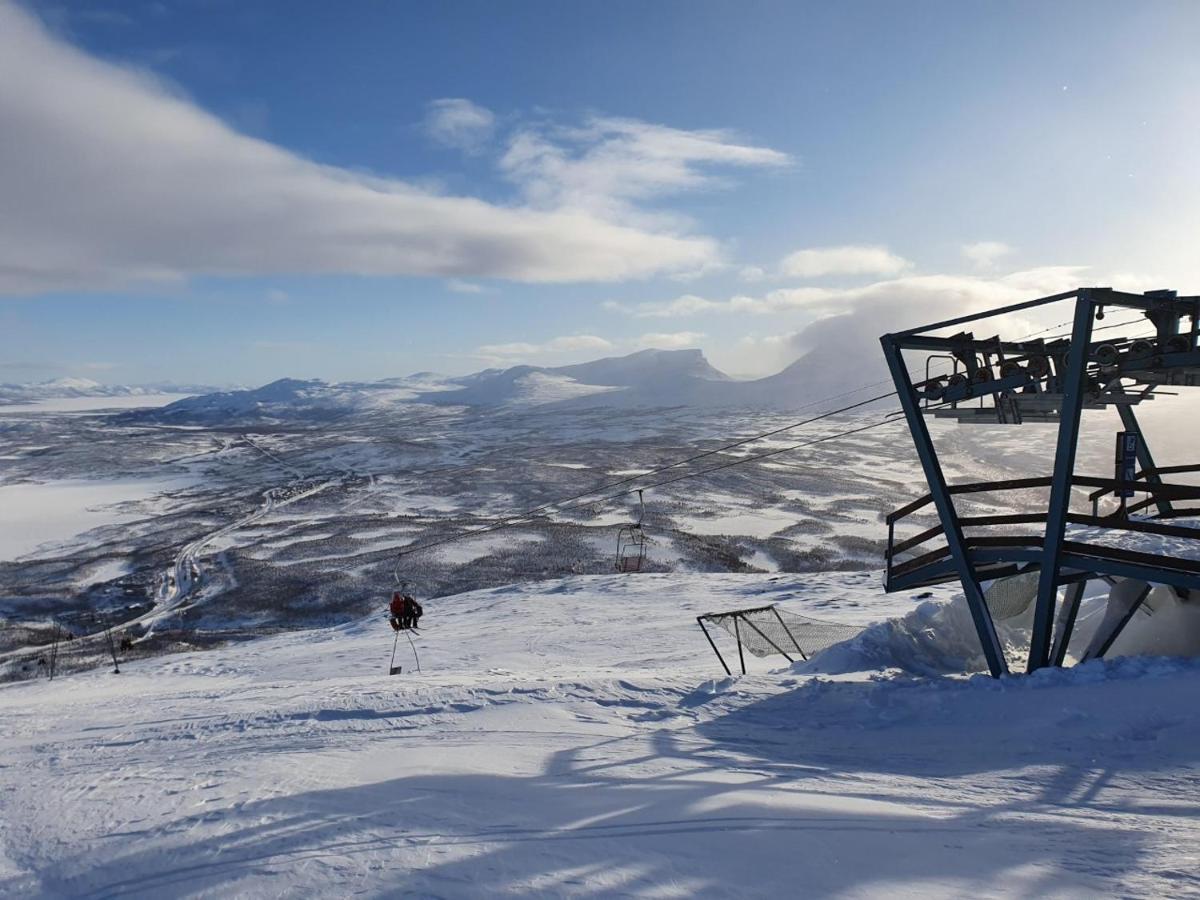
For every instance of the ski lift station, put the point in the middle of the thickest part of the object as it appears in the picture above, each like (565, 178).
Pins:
(1131, 533)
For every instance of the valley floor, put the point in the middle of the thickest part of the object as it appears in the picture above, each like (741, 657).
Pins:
(569, 739)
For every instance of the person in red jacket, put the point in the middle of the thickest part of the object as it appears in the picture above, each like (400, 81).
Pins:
(399, 611)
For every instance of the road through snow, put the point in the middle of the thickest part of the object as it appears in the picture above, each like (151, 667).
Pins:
(568, 739)
(185, 571)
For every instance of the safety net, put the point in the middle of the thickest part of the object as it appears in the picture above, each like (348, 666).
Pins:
(1009, 597)
(766, 630)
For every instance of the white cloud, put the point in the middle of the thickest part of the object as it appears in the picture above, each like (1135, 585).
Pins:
(575, 342)
(686, 305)
(464, 287)
(571, 343)
(676, 340)
(844, 347)
(277, 297)
(853, 259)
(109, 178)
(754, 356)
(841, 337)
(781, 300)
(985, 254)
(609, 164)
(459, 123)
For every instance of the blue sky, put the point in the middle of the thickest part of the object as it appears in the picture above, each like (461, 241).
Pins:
(232, 192)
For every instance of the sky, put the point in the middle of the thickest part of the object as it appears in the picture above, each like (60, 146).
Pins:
(219, 192)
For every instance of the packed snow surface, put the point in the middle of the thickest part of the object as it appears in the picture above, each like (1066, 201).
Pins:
(578, 738)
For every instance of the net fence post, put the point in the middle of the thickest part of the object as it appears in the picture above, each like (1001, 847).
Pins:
(788, 632)
(112, 647)
(713, 644)
(778, 649)
(737, 633)
(53, 652)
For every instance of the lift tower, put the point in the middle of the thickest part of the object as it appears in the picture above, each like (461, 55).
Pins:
(1004, 382)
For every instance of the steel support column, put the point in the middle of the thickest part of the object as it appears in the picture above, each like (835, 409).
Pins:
(1125, 619)
(1066, 622)
(988, 639)
(1074, 384)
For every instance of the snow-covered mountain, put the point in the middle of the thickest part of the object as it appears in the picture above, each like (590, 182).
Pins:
(648, 378)
(289, 399)
(85, 387)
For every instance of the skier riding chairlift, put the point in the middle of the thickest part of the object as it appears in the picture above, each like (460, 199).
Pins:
(405, 611)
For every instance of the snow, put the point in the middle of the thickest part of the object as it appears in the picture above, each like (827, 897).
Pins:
(462, 552)
(577, 738)
(90, 404)
(33, 515)
(756, 523)
(1137, 542)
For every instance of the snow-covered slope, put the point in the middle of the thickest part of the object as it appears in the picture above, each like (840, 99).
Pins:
(569, 739)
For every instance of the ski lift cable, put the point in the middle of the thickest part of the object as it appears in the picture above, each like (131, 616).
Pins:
(680, 462)
(571, 502)
(591, 500)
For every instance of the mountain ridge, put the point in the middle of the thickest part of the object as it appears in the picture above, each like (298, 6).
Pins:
(647, 378)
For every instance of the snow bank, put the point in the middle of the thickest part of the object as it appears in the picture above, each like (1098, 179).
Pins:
(938, 637)
(935, 638)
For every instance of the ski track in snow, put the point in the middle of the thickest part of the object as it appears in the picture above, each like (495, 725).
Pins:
(569, 739)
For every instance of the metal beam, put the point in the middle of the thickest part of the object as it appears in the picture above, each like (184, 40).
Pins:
(1074, 384)
(1125, 619)
(1144, 457)
(982, 618)
(974, 317)
(778, 649)
(1066, 622)
(788, 631)
(713, 644)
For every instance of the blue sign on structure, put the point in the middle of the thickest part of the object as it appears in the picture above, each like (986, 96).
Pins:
(1127, 447)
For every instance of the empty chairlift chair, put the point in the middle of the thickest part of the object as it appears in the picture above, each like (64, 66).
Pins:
(631, 542)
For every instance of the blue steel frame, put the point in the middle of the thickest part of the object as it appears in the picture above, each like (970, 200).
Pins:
(980, 614)
(1073, 386)
(1050, 558)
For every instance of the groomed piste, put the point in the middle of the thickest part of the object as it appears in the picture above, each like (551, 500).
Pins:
(569, 739)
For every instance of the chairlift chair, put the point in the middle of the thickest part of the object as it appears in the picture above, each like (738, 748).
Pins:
(631, 542)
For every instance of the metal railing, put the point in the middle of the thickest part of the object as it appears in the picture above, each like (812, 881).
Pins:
(982, 533)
